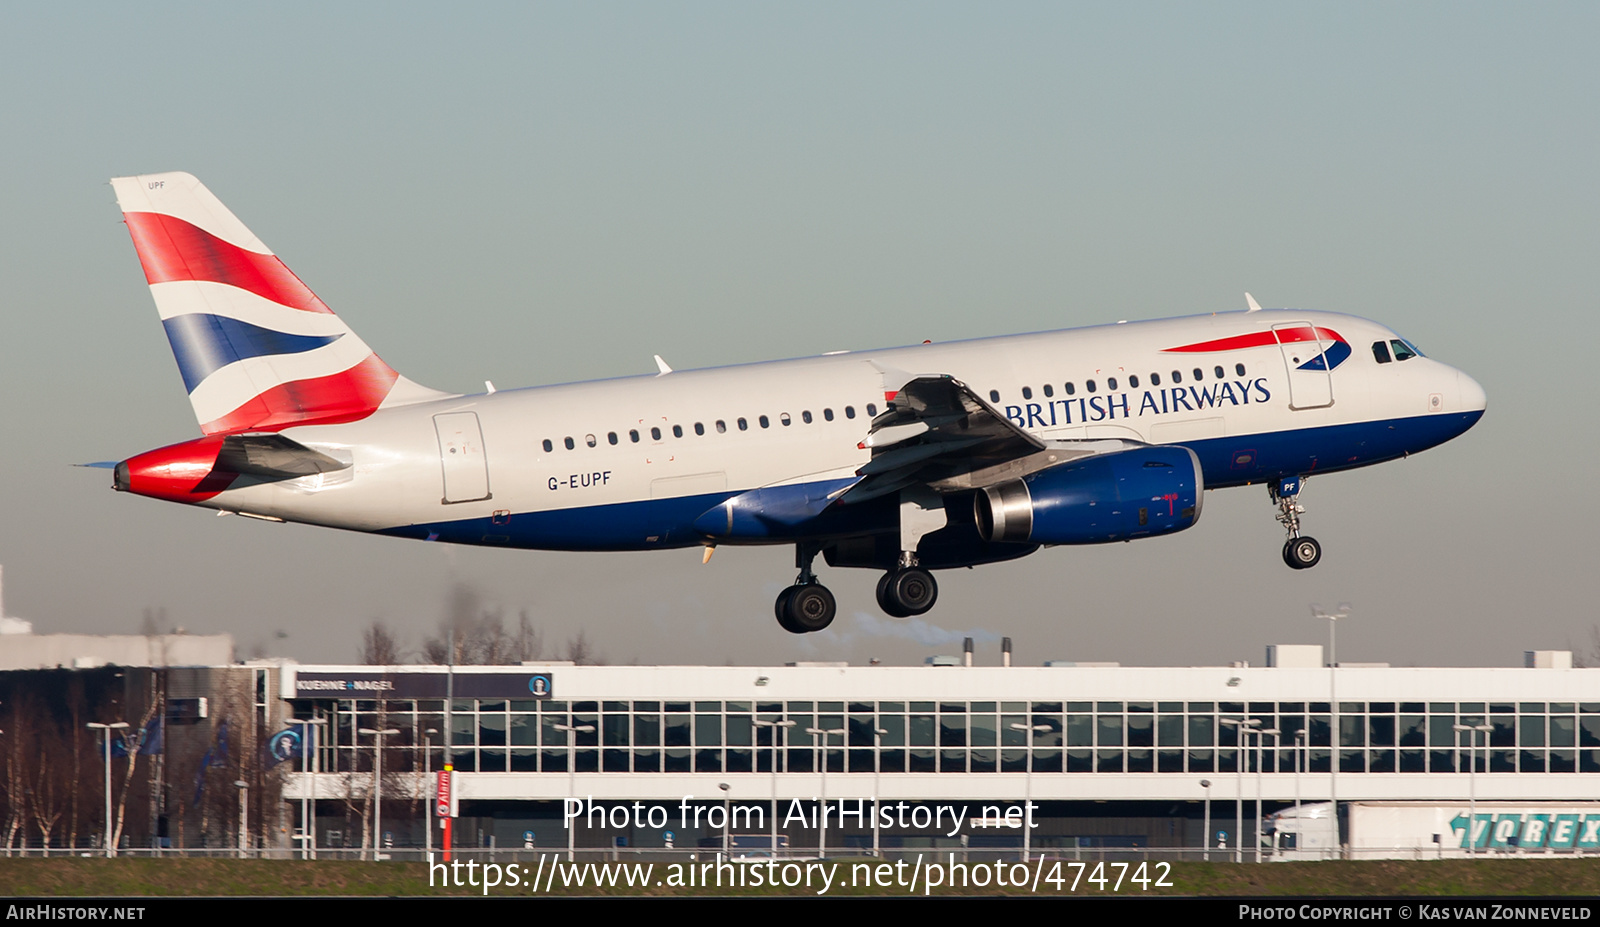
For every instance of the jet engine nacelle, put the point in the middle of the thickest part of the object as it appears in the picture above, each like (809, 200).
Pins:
(1107, 497)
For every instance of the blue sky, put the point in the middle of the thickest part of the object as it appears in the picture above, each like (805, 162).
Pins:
(546, 193)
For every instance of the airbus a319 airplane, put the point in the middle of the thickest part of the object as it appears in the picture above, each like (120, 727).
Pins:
(904, 460)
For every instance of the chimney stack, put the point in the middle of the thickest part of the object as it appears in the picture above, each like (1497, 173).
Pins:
(1005, 651)
(966, 647)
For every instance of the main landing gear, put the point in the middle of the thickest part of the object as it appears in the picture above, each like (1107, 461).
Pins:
(1300, 553)
(807, 605)
(907, 589)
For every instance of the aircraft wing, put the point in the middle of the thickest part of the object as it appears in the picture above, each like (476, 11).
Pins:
(939, 433)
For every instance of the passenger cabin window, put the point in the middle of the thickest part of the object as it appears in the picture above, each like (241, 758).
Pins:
(699, 428)
(1402, 351)
(722, 427)
(827, 415)
(849, 411)
(1088, 385)
(872, 408)
(765, 423)
(655, 434)
(1111, 382)
(1199, 374)
(1219, 371)
(1133, 382)
(568, 443)
(548, 446)
(677, 431)
(1380, 352)
(633, 435)
(611, 436)
(744, 425)
(784, 419)
(590, 440)
(994, 396)
(1155, 379)
(1071, 389)
(1049, 391)
(1177, 376)
(1027, 392)
(1238, 369)
(805, 416)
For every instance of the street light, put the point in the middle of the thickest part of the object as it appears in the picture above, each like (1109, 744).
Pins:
(244, 815)
(1240, 760)
(377, 786)
(877, 762)
(822, 833)
(775, 725)
(106, 729)
(427, 778)
(308, 807)
(1027, 783)
(1260, 734)
(572, 777)
(1472, 778)
(726, 809)
(1206, 837)
(1300, 741)
(1333, 707)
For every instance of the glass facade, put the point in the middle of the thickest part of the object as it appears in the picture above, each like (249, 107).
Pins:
(1082, 737)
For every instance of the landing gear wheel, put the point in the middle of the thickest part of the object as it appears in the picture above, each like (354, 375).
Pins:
(805, 607)
(1302, 553)
(781, 609)
(903, 593)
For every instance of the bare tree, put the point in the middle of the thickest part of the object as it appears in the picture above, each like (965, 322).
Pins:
(1589, 656)
(582, 652)
(379, 646)
(479, 634)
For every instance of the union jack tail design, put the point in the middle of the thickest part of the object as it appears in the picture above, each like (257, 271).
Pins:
(258, 351)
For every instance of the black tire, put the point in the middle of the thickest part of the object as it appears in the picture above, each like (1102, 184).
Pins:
(811, 608)
(886, 600)
(912, 591)
(1302, 553)
(781, 609)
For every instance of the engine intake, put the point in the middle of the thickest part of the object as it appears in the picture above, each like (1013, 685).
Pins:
(1107, 497)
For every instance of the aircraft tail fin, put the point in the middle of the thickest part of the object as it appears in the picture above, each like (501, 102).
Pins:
(258, 351)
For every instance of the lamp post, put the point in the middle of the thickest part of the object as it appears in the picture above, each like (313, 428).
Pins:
(1333, 708)
(1472, 778)
(726, 811)
(1206, 837)
(776, 726)
(308, 807)
(822, 833)
(1260, 734)
(1027, 784)
(572, 730)
(877, 791)
(106, 729)
(427, 778)
(1240, 760)
(377, 786)
(244, 815)
(1299, 744)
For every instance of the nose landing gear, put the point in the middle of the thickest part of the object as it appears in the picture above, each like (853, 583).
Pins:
(1300, 553)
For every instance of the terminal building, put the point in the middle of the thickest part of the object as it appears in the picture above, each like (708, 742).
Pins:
(1113, 757)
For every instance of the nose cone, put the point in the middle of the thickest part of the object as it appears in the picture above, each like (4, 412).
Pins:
(1471, 395)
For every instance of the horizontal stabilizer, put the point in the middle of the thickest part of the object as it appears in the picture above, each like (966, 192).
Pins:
(273, 456)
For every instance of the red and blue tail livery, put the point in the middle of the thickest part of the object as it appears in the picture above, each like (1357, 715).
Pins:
(903, 460)
(257, 350)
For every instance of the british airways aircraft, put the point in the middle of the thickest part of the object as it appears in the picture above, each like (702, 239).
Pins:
(904, 460)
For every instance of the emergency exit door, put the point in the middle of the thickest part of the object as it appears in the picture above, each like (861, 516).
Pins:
(466, 469)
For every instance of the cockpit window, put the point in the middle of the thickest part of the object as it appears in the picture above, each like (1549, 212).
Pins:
(1380, 351)
(1403, 351)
